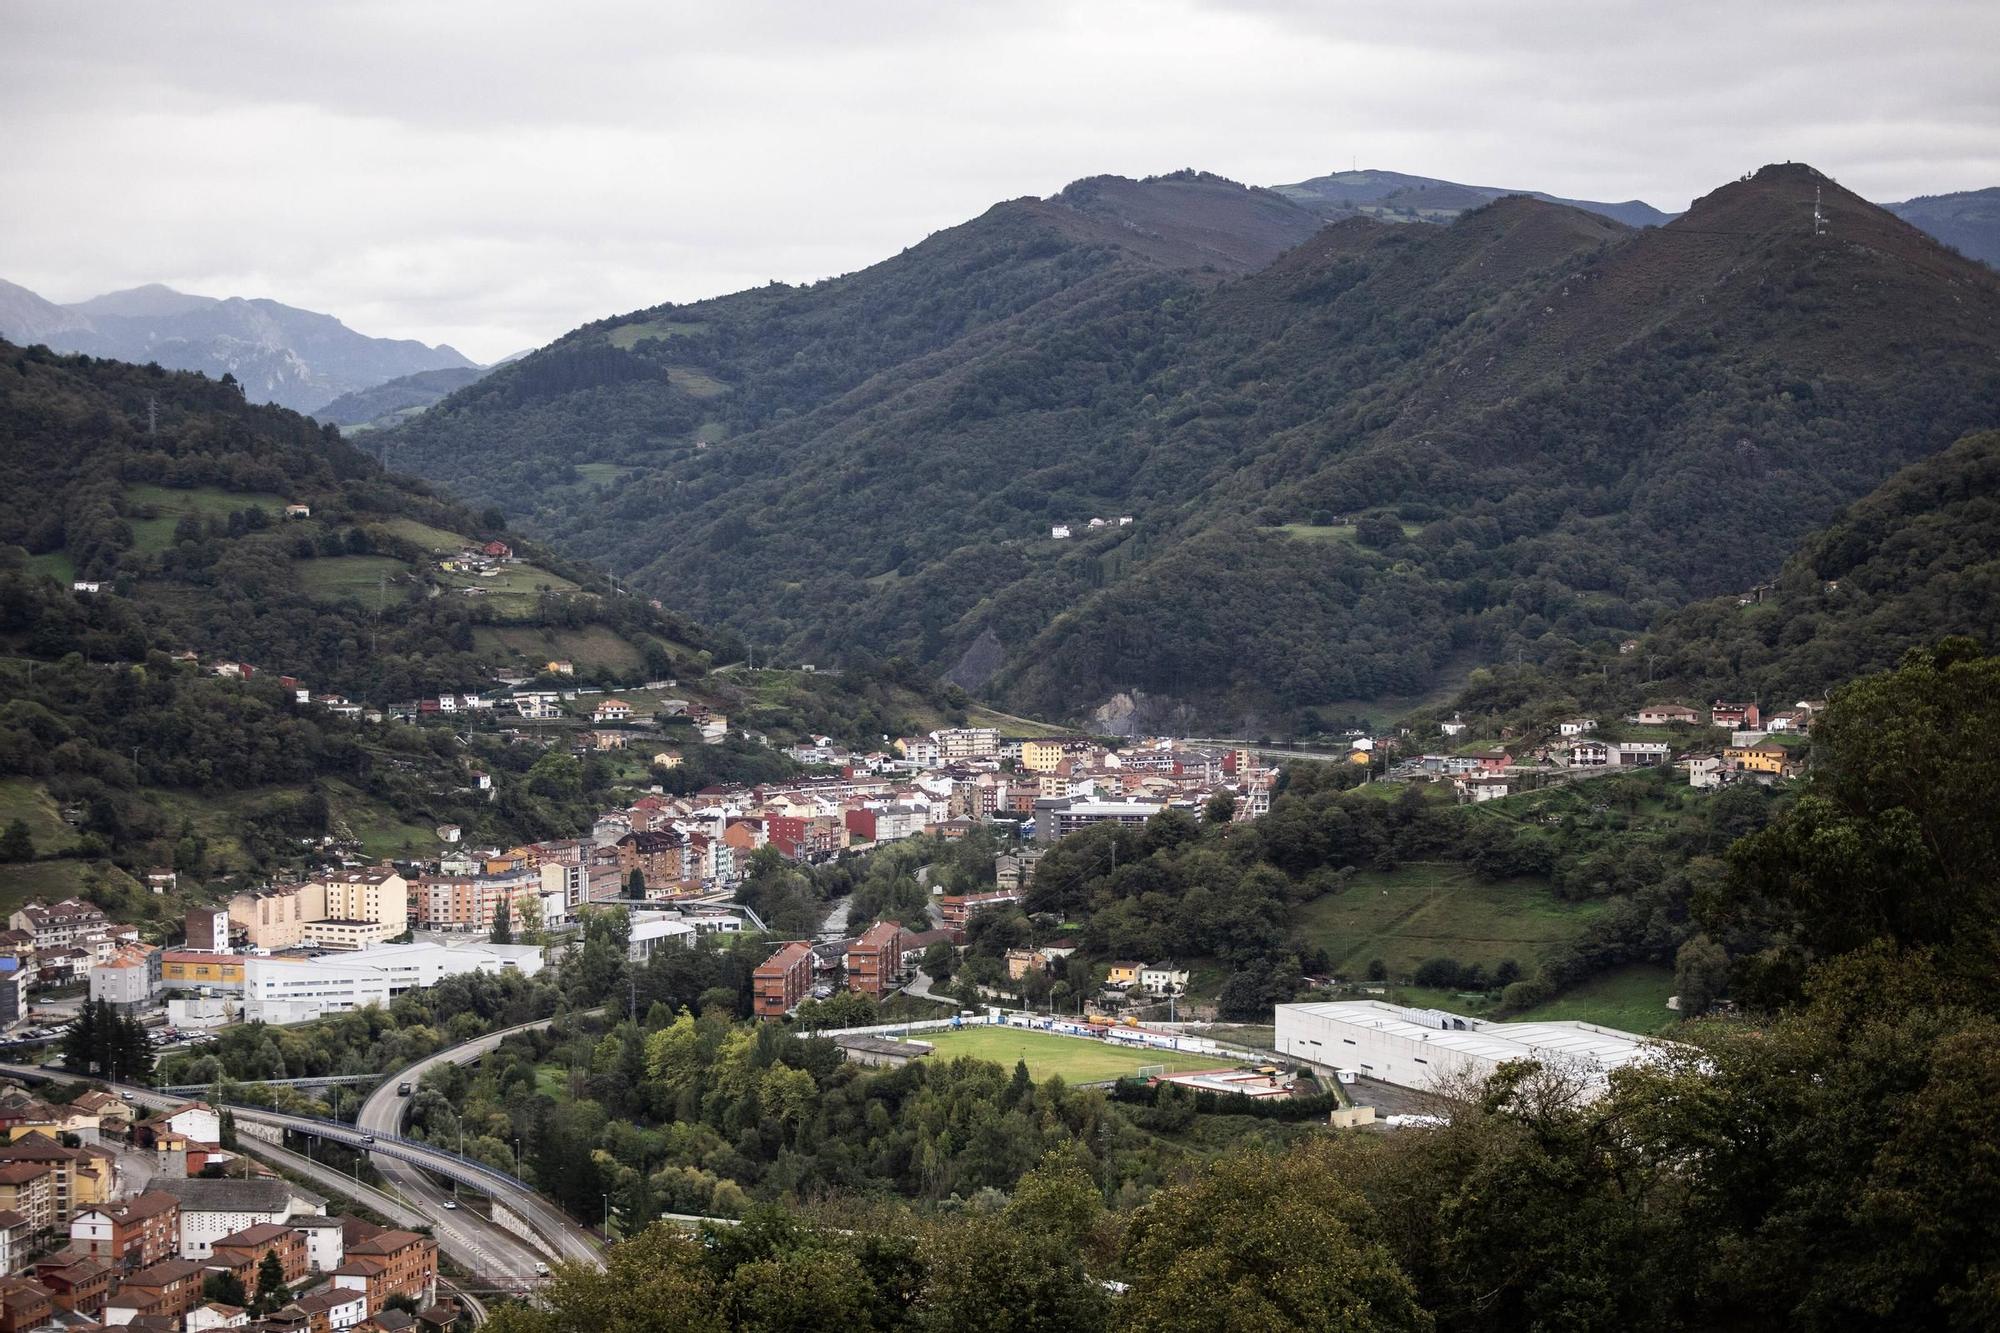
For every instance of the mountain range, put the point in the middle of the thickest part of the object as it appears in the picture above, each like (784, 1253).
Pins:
(1968, 221)
(1358, 457)
(280, 354)
(1395, 197)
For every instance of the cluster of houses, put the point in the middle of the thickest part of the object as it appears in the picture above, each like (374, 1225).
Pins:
(55, 944)
(281, 953)
(1576, 750)
(79, 1249)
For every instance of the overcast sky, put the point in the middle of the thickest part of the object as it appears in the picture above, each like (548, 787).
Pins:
(492, 174)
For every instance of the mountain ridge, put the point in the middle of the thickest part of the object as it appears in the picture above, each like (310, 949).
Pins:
(1395, 194)
(1532, 395)
(296, 358)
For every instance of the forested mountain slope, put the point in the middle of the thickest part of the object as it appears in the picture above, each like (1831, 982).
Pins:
(1351, 468)
(166, 495)
(1968, 222)
(1915, 561)
(406, 395)
(171, 491)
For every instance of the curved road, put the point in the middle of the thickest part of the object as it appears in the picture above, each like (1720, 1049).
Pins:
(485, 1244)
(473, 1258)
(382, 1116)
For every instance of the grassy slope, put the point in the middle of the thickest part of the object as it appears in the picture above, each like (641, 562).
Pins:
(30, 802)
(1632, 998)
(157, 533)
(62, 878)
(1439, 911)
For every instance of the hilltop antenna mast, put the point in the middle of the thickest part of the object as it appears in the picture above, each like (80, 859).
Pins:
(1819, 218)
(152, 416)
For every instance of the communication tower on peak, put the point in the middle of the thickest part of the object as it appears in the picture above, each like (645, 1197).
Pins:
(1819, 217)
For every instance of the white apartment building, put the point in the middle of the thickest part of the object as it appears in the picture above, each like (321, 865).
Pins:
(212, 1209)
(288, 990)
(956, 743)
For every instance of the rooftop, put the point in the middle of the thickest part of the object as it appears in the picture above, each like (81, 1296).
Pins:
(1598, 1048)
(237, 1196)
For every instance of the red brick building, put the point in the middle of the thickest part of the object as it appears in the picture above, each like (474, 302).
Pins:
(659, 855)
(135, 1234)
(390, 1263)
(242, 1251)
(75, 1282)
(24, 1304)
(957, 908)
(875, 962)
(781, 981)
(169, 1289)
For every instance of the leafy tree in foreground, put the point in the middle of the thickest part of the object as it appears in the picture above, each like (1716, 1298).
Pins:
(1267, 1243)
(1894, 838)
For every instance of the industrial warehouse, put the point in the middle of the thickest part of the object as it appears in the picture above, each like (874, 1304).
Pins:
(1419, 1048)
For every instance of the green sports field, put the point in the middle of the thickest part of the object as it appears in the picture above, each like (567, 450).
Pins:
(1077, 1059)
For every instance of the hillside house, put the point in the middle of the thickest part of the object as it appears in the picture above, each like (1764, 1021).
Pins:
(298, 511)
(612, 710)
(1705, 771)
(1577, 726)
(1588, 754)
(1639, 754)
(1666, 715)
(1481, 787)
(1724, 714)
(1059, 532)
(1769, 759)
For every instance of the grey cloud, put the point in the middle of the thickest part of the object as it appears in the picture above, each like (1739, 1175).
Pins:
(492, 174)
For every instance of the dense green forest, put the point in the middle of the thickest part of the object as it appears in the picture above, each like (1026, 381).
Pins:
(1916, 560)
(1821, 1160)
(1352, 470)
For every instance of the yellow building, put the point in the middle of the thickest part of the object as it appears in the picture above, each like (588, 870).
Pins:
(1124, 974)
(82, 1177)
(379, 895)
(1757, 758)
(1041, 756)
(179, 967)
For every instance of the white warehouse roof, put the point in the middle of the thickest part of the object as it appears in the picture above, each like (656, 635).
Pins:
(1599, 1048)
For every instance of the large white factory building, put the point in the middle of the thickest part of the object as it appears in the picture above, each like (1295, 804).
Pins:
(1418, 1048)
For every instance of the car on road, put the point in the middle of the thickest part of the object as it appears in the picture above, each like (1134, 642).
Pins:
(450, 1204)
(402, 1089)
(368, 1138)
(541, 1268)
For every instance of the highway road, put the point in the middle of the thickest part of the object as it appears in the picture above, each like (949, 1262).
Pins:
(383, 1113)
(396, 1159)
(473, 1256)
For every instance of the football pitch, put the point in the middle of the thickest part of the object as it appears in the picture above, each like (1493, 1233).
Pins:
(1077, 1059)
